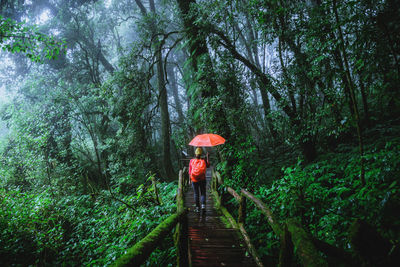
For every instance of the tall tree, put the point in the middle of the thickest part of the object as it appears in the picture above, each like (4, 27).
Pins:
(163, 98)
(204, 88)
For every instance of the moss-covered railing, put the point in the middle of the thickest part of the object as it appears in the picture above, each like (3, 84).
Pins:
(292, 236)
(139, 253)
(370, 248)
(181, 240)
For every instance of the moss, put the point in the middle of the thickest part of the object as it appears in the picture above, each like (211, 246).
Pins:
(304, 247)
(230, 222)
(181, 243)
(137, 254)
(217, 205)
(225, 222)
(217, 201)
(229, 217)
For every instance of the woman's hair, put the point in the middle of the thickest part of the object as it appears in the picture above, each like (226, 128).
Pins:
(198, 151)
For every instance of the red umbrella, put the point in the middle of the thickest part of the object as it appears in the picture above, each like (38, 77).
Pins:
(207, 140)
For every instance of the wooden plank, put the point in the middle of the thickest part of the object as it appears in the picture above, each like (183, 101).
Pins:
(211, 243)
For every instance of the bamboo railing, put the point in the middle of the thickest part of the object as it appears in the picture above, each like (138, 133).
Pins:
(139, 253)
(292, 235)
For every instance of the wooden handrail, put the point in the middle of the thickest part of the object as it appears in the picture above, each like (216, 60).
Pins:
(305, 247)
(239, 224)
(181, 241)
(233, 193)
(265, 210)
(291, 233)
(139, 253)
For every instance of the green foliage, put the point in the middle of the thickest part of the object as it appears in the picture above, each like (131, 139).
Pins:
(17, 38)
(37, 228)
(144, 247)
(90, 121)
(243, 170)
(327, 196)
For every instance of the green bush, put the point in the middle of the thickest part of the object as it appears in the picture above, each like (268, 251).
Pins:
(41, 229)
(327, 196)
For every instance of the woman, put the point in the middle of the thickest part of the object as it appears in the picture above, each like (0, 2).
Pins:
(197, 174)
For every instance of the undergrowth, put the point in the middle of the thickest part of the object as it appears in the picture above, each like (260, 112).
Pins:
(42, 229)
(327, 196)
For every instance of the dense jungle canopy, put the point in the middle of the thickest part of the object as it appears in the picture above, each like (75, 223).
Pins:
(100, 97)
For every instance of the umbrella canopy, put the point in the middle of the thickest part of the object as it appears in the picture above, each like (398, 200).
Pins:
(207, 140)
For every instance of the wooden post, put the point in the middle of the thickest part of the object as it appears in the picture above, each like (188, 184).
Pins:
(214, 180)
(213, 187)
(219, 184)
(181, 243)
(181, 228)
(242, 204)
(286, 251)
(157, 198)
(304, 247)
(219, 178)
(242, 210)
(185, 177)
(179, 198)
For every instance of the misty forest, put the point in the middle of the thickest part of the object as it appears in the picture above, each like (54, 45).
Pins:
(99, 100)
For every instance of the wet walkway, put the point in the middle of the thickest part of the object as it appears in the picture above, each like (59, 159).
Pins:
(211, 243)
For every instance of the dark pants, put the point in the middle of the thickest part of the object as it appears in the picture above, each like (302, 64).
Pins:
(199, 186)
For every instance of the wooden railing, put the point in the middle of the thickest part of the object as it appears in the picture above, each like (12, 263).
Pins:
(139, 253)
(292, 235)
(181, 240)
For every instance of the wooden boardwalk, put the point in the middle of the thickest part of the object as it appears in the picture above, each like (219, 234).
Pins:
(211, 243)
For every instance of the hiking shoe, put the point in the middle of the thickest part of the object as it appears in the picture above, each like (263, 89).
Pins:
(203, 207)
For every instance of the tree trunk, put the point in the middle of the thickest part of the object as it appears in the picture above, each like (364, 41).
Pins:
(352, 94)
(285, 74)
(175, 93)
(265, 79)
(165, 122)
(252, 51)
(252, 54)
(202, 65)
(364, 100)
(163, 98)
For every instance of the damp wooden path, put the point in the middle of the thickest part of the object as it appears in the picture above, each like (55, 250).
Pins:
(211, 243)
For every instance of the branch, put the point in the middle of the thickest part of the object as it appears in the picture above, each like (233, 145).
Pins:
(265, 79)
(166, 57)
(141, 7)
